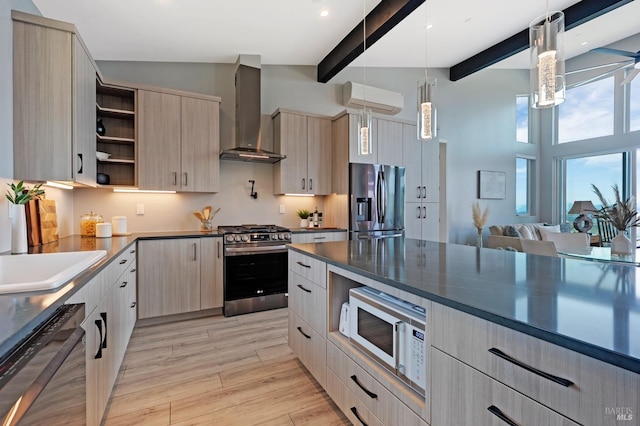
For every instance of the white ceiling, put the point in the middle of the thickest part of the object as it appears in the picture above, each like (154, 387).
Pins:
(292, 32)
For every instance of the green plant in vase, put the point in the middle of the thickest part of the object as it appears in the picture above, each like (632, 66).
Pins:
(303, 214)
(19, 195)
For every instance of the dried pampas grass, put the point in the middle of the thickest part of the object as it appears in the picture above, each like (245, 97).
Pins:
(479, 217)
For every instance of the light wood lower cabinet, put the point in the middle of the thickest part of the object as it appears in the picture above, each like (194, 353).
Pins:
(355, 410)
(377, 399)
(464, 396)
(318, 237)
(109, 300)
(309, 346)
(179, 275)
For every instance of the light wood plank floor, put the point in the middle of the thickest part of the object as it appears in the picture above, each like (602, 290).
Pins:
(218, 371)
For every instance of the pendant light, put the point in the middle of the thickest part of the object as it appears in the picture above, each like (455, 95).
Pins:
(426, 90)
(546, 39)
(364, 118)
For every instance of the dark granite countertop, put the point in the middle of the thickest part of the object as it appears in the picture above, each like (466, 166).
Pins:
(589, 307)
(20, 313)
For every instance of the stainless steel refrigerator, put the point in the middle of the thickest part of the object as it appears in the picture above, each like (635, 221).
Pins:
(376, 201)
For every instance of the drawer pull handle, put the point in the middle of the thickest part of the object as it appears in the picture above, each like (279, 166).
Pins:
(124, 284)
(365, 390)
(304, 289)
(133, 270)
(319, 238)
(98, 354)
(133, 304)
(132, 251)
(354, 410)
(303, 333)
(499, 414)
(123, 261)
(564, 382)
(303, 265)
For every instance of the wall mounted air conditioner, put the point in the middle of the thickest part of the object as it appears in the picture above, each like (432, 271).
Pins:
(378, 100)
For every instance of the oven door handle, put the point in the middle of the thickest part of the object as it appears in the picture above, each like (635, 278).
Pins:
(244, 251)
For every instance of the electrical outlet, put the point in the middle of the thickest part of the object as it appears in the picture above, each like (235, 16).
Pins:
(140, 209)
(281, 208)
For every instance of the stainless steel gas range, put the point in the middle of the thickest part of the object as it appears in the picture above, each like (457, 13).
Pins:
(255, 268)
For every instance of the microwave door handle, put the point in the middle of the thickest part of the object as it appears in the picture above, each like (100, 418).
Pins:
(397, 328)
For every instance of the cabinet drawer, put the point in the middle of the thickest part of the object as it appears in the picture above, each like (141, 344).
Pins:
(464, 396)
(513, 358)
(355, 410)
(376, 398)
(309, 302)
(312, 269)
(309, 346)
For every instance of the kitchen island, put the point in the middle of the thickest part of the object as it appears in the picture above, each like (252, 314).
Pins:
(577, 319)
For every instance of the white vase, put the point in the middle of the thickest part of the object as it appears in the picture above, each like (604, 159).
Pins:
(304, 223)
(621, 245)
(18, 229)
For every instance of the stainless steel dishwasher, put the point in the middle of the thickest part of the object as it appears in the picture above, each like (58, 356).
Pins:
(43, 377)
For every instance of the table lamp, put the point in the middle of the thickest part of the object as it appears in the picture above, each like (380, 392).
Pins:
(582, 223)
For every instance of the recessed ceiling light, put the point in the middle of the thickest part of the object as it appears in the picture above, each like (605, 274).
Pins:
(324, 13)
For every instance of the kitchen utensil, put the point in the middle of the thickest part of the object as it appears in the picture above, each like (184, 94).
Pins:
(33, 223)
(48, 220)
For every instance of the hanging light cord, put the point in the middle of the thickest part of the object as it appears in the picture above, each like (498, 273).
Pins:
(364, 53)
(426, 47)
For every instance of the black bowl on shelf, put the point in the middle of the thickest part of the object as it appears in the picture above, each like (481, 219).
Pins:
(103, 179)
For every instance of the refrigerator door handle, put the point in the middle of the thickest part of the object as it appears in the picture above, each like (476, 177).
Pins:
(384, 197)
(379, 197)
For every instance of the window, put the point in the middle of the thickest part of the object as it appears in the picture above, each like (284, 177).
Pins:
(603, 171)
(634, 104)
(522, 118)
(524, 185)
(587, 111)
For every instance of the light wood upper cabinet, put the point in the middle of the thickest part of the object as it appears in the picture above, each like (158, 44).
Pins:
(159, 133)
(54, 102)
(306, 141)
(200, 145)
(179, 142)
(84, 113)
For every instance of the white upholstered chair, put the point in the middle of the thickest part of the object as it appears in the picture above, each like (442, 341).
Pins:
(543, 248)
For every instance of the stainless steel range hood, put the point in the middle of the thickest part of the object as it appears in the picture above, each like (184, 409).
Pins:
(248, 136)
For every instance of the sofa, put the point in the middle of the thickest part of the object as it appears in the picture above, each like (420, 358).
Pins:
(508, 236)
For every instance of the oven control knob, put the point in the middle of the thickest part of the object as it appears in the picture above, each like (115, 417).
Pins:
(274, 236)
(287, 236)
(245, 238)
(236, 238)
(280, 237)
(229, 238)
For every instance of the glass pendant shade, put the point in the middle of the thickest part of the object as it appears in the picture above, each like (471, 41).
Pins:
(364, 132)
(426, 109)
(546, 39)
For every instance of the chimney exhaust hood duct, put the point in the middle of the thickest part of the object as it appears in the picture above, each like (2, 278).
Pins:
(248, 137)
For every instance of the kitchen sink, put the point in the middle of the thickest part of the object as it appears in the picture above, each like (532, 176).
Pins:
(43, 271)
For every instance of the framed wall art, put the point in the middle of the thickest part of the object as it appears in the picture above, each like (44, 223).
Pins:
(492, 185)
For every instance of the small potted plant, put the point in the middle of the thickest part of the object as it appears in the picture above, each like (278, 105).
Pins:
(622, 215)
(18, 196)
(303, 214)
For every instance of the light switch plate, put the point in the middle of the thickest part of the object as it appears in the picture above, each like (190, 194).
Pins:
(140, 209)
(281, 208)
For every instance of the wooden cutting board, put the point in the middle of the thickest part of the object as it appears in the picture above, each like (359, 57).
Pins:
(33, 223)
(48, 221)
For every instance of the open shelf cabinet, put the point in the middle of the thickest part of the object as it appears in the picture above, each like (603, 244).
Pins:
(116, 107)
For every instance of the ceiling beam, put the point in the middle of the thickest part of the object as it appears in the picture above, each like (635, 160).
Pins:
(386, 15)
(575, 15)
